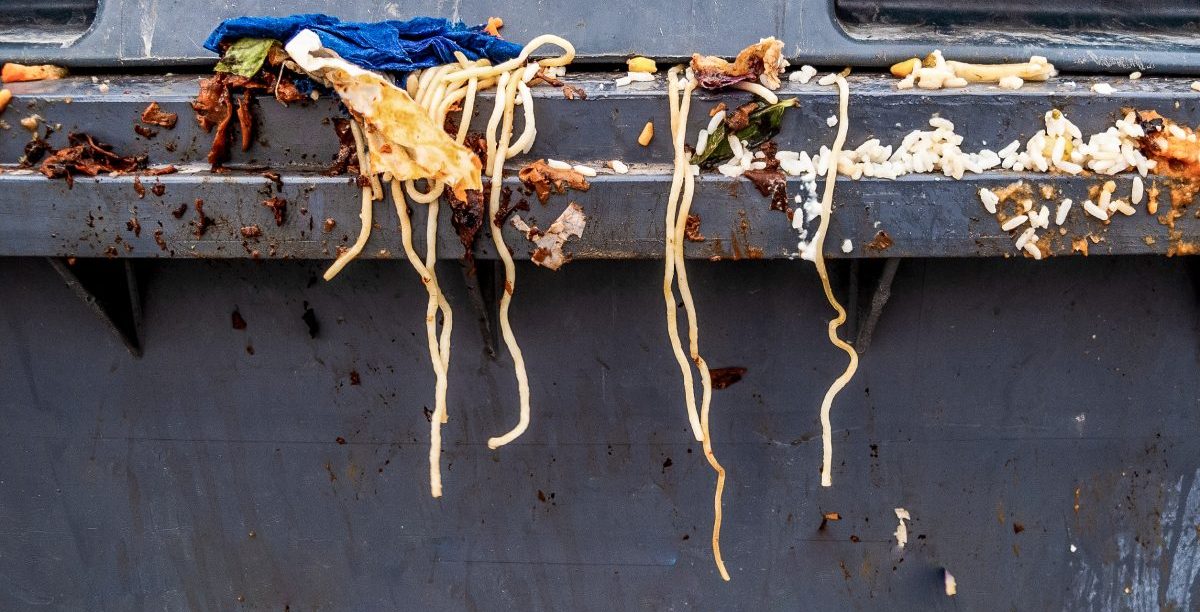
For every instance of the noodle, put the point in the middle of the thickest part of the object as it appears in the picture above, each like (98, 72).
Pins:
(677, 178)
(836, 322)
(674, 264)
(504, 106)
(437, 90)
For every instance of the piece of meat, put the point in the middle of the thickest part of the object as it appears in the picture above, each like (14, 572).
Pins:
(346, 160)
(739, 119)
(154, 115)
(215, 110)
(245, 120)
(278, 208)
(144, 131)
(541, 178)
(83, 155)
(771, 184)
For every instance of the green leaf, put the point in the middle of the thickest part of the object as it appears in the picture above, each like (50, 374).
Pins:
(764, 124)
(245, 56)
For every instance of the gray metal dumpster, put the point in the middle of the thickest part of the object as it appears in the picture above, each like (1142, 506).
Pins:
(196, 421)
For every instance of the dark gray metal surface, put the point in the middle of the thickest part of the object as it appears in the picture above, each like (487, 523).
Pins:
(171, 32)
(1016, 409)
(926, 215)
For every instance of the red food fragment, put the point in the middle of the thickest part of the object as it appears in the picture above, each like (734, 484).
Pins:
(278, 208)
(153, 115)
(84, 155)
(245, 120)
(724, 377)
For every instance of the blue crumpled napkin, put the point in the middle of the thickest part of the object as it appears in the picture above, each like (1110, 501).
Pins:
(398, 47)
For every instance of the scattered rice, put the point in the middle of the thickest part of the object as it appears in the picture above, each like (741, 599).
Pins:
(1064, 207)
(828, 79)
(1103, 88)
(831, 121)
(1196, 85)
(1138, 190)
(618, 166)
(1133, 76)
(1095, 211)
(989, 199)
(558, 165)
(803, 75)
(584, 170)
(1026, 236)
(1033, 250)
(847, 246)
(1014, 223)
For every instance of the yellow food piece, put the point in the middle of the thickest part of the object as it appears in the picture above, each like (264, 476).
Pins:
(5, 98)
(642, 64)
(905, 68)
(403, 140)
(647, 134)
(16, 73)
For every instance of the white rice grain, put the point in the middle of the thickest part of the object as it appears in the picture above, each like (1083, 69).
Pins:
(847, 246)
(1135, 75)
(1138, 190)
(1103, 89)
(584, 170)
(1014, 223)
(1026, 236)
(828, 79)
(831, 121)
(557, 165)
(1033, 250)
(1095, 211)
(618, 166)
(1064, 207)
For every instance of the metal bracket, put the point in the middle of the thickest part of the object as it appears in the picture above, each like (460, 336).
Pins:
(883, 292)
(110, 289)
(481, 289)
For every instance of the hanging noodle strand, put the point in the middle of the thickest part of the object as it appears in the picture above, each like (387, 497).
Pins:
(677, 214)
(836, 322)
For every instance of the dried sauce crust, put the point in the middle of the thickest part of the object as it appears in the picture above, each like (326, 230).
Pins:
(1175, 147)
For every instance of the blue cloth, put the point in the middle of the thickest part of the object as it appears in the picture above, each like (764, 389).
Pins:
(388, 46)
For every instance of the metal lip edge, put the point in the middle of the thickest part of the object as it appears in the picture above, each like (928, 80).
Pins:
(183, 88)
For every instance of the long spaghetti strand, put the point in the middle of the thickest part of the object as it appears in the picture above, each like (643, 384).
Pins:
(505, 91)
(678, 206)
(819, 260)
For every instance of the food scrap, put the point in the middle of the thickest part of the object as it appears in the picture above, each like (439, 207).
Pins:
(85, 156)
(548, 252)
(760, 63)
(155, 115)
(950, 584)
(641, 64)
(935, 72)
(647, 134)
(5, 98)
(902, 529)
(17, 73)
(542, 178)
(723, 378)
(278, 207)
